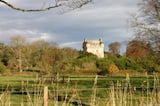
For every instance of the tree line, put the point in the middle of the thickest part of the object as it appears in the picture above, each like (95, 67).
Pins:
(46, 57)
(38, 55)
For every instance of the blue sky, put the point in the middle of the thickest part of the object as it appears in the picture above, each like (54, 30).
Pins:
(106, 19)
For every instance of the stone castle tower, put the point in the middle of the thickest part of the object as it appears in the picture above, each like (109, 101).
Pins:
(94, 46)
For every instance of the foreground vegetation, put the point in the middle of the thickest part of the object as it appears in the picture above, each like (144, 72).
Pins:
(81, 90)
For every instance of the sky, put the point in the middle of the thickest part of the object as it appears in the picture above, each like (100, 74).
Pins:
(105, 19)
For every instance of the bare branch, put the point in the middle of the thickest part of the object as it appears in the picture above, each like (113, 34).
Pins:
(146, 23)
(58, 3)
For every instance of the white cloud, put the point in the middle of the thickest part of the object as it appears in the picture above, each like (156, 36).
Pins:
(30, 35)
(77, 44)
(45, 36)
(104, 19)
(70, 43)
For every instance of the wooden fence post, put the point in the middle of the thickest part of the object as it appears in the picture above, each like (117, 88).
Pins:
(45, 96)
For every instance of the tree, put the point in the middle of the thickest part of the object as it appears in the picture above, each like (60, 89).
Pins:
(18, 43)
(137, 48)
(71, 4)
(6, 54)
(69, 53)
(114, 48)
(1, 50)
(146, 23)
(44, 56)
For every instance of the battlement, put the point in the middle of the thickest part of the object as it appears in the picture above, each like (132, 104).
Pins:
(94, 46)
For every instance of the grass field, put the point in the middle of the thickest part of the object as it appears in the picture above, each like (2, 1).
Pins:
(80, 90)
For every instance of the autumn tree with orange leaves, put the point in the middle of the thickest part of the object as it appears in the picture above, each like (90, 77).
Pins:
(137, 48)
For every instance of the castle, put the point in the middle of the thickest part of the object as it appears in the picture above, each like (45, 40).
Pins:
(94, 46)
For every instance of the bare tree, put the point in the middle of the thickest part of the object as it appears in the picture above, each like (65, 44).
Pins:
(18, 43)
(71, 4)
(114, 48)
(146, 23)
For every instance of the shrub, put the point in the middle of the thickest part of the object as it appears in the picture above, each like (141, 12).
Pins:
(119, 62)
(124, 63)
(83, 54)
(103, 65)
(113, 69)
(157, 68)
(84, 58)
(2, 68)
(132, 64)
(147, 64)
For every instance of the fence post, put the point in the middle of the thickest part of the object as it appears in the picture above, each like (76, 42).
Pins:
(45, 96)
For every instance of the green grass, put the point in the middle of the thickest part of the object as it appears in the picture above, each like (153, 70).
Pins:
(82, 86)
(82, 81)
(16, 78)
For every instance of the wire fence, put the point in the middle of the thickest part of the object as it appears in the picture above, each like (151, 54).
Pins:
(79, 91)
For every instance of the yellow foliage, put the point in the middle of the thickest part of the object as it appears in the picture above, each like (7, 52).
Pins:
(113, 68)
